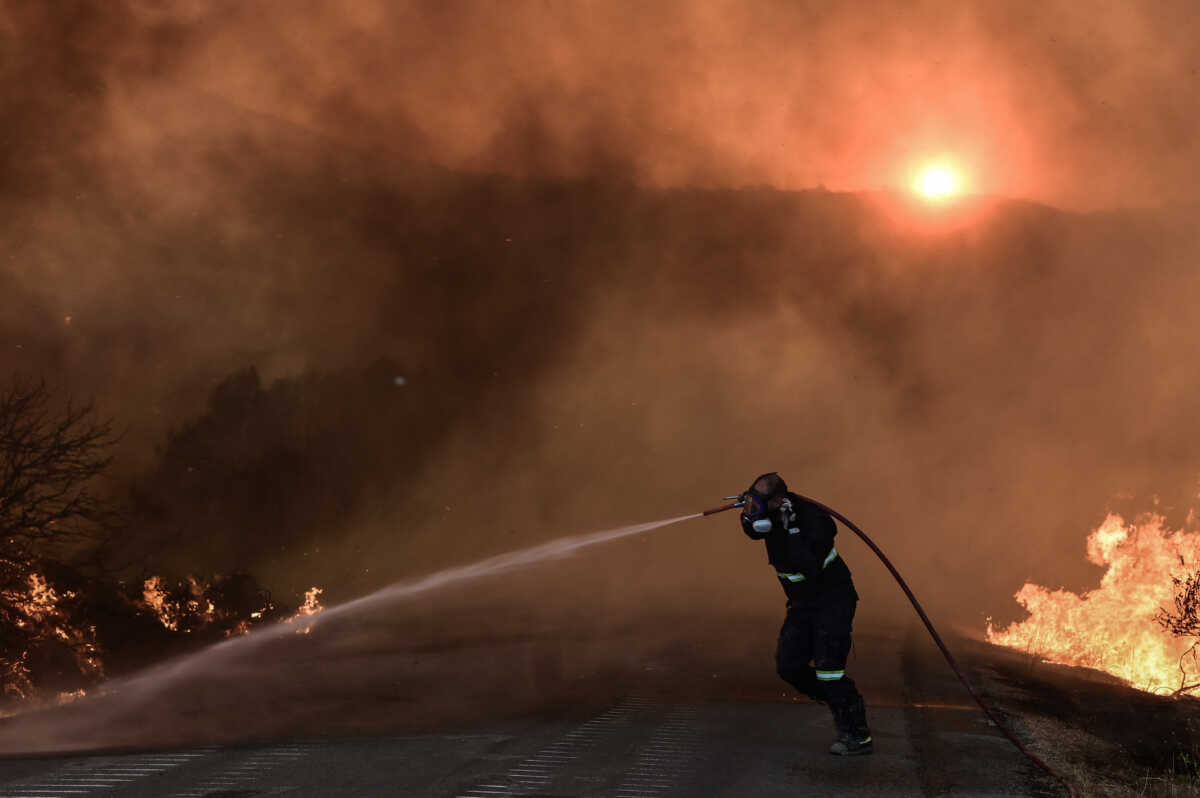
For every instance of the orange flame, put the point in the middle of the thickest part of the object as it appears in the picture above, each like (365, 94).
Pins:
(42, 600)
(155, 597)
(1113, 627)
(229, 605)
(311, 606)
(17, 683)
(40, 606)
(68, 696)
(196, 609)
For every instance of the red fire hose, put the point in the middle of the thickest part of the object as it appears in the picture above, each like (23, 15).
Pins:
(958, 671)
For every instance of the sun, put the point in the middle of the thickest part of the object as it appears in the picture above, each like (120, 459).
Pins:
(937, 182)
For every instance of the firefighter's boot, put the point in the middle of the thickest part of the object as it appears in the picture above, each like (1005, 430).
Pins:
(853, 735)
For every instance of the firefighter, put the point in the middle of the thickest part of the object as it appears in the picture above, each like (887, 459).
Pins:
(815, 638)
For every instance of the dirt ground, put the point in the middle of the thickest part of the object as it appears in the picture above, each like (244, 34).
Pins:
(1108, 738)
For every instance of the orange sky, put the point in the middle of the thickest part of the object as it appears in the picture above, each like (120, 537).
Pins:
(1086, 106)
(1036, 100)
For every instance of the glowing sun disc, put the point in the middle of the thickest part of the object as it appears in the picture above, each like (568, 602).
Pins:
(936, 182)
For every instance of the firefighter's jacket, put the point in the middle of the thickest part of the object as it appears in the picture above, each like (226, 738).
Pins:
(800, 548)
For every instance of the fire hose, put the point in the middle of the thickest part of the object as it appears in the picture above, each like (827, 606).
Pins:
(958, 671)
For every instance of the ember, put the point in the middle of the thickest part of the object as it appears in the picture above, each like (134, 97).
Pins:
(1113, 628)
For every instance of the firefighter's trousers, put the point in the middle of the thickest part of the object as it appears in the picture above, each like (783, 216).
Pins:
(813, 645)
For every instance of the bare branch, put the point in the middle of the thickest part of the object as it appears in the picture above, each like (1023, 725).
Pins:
(48, 458)
(1185, 620)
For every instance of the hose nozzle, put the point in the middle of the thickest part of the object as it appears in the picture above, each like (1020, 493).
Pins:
(738, 500)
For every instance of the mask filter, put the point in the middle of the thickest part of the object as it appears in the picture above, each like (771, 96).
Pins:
(762, 526)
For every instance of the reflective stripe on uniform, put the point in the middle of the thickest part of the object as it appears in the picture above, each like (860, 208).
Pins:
(797, 577)
(830, 676)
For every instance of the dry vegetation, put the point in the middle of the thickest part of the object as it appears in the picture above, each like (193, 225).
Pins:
(1110, 740)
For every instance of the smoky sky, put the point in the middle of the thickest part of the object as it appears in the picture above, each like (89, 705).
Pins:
(588, 236)
(1047, 101)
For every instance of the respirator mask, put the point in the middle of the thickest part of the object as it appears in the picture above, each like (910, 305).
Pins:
(767, 495)
(755, 513)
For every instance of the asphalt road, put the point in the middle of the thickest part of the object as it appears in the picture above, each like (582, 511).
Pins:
(666, 729)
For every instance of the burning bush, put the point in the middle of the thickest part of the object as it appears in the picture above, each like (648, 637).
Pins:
(59, 641)
(220, 607)
(43, 642)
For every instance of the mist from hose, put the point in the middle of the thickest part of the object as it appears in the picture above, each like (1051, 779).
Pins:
(494, 565)
(152, 681)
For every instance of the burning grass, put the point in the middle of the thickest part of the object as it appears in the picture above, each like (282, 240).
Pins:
(1117, 628)
(1111, 740)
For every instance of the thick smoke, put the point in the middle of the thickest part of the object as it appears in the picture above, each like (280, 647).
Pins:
(1043, 101)
(586, 237)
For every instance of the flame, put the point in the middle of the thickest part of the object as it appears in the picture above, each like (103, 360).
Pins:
(43, 617)
(1113, 627)
(155, 597)
(68, 696)
(42, 599)
(190, 607)
(17, 683)
(311, 606)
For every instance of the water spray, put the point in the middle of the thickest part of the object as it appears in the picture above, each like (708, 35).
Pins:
(740, 500)
(150, 682)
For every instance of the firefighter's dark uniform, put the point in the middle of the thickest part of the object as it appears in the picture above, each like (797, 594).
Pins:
(815, 639)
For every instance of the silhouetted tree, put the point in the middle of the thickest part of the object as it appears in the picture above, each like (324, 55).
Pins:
(49, 457)
(60, 614)
(48, 460)
(1184, 621)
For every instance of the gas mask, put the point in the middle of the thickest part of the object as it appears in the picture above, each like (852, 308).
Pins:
(756, 513)
(765, 503)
